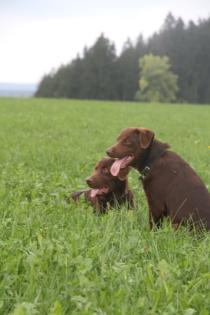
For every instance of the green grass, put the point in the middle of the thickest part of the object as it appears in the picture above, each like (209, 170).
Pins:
(58, 258)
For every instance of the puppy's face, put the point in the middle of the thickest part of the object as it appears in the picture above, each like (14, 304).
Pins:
(131, 144)
(103, 180)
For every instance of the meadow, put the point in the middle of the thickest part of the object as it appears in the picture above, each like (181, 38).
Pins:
(59, 258)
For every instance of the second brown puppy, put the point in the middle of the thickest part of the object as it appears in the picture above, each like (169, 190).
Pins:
(107, 191)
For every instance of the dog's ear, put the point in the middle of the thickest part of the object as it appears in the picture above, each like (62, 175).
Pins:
(145, 137)
(123, 173)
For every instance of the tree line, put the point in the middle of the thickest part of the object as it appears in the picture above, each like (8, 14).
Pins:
(101, 74)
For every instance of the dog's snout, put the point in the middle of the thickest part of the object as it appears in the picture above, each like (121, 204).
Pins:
(89, 180)
(109, 151)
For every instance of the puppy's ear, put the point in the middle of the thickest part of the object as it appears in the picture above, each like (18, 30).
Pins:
(123, 174)
(145, 137)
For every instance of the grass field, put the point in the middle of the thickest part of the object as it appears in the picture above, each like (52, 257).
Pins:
(58, 258)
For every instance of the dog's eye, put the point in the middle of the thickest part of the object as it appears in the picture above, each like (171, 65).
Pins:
(127, 142)
(105, 170)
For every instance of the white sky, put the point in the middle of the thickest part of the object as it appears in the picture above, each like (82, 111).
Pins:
(38, 35)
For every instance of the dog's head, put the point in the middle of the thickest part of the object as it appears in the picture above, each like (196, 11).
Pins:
(130, 147)
(102, 181)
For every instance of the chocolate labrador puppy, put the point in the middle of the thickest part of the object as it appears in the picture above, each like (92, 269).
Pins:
(107, 190)
(172, 187)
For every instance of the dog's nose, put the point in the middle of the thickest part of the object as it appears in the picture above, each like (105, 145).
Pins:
(109, 151)
(89, 180)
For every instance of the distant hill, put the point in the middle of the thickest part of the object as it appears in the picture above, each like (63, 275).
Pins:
(17, 89)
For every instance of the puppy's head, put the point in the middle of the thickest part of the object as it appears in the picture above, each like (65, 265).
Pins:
(131, 145)
(102, 181)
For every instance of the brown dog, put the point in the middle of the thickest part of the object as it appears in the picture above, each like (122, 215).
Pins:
(107, 190)
(172, 187)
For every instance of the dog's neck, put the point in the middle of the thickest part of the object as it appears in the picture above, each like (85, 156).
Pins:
(151, 154)
(121, 188)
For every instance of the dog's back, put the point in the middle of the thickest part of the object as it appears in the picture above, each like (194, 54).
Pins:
(174, 188)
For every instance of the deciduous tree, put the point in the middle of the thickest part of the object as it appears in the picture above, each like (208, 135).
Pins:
(157, 83)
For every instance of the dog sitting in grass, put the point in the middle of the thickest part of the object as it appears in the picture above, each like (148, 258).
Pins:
(107, 191)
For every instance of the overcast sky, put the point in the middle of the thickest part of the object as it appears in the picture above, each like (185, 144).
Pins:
(38, 35)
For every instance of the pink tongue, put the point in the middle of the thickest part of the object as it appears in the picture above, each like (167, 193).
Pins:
(117, 165)
(94, 192)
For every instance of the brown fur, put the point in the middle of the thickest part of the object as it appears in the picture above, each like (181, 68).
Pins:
(172, 187)
(118, 192)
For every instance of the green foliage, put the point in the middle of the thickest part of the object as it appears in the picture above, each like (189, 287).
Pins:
(188, 49)
(58, 258)
(92, 76)
(127, 67)
(157, 82)
(100, 74)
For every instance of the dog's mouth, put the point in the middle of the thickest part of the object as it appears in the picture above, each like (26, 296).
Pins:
(120, 164)
(98, 191)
